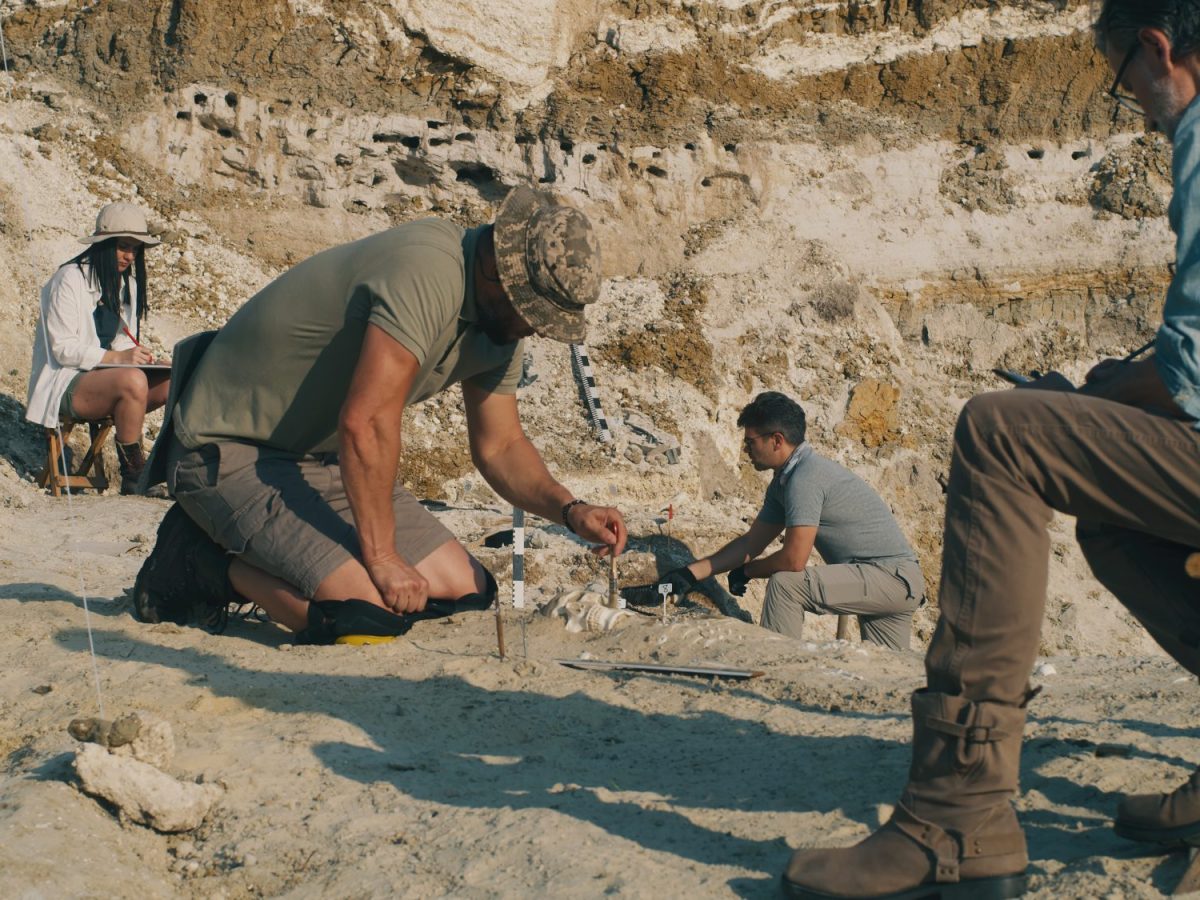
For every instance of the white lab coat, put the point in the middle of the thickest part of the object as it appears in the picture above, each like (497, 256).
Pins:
(65, 340)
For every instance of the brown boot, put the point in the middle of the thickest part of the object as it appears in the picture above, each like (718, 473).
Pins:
(132, 461)
(954, 833)
(1172, 819)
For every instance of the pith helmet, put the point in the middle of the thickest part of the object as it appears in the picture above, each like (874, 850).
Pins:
(121, 220)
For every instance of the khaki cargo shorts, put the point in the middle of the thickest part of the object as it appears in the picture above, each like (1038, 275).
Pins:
(287, 515)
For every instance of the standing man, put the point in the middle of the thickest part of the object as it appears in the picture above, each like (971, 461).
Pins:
(1122, 455)
(286, 439)
(870, 569)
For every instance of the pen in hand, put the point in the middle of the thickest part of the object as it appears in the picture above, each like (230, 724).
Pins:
(1139, 351)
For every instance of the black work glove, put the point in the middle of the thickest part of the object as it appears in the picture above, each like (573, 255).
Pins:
(738, 579)
(682, 582)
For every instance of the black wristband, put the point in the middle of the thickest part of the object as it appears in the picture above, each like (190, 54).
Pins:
(566, 509)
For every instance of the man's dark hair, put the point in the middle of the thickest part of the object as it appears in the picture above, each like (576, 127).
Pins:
(772, 411)
(1179, 20)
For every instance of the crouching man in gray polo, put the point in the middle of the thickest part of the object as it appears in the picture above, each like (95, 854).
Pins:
(284, 438)
(871, 571)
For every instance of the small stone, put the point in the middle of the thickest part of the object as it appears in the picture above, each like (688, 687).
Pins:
(125, 730)
(184, 850)
(633, 453)
(43, 689)
(249, 860)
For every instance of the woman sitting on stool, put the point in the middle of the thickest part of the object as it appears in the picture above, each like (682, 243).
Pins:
(90, 317)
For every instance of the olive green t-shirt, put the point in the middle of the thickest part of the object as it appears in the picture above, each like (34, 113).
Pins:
(278, 373)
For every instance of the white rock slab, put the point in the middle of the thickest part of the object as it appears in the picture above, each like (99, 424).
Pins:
(143, 793)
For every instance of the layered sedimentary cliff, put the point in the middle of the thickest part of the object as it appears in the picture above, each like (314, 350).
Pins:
(867, 205)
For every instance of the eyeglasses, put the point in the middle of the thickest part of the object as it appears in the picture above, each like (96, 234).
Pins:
(1125, 100)
(749, 440)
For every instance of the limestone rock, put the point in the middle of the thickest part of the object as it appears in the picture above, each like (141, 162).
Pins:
(873, 416)
(143, 793)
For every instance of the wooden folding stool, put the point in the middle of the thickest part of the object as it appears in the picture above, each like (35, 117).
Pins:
(89, 474)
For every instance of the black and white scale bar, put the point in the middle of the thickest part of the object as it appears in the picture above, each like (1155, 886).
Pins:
(581, 367)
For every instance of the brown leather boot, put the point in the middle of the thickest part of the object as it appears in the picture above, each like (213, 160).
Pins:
(132, 461)
(954, 833)
(1172, 820)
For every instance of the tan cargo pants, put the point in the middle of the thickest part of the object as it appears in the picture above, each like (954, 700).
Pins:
(883, 595)
(1131, 479)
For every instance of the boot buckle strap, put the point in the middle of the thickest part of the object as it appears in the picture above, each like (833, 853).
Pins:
(971, 734)
(999, 845)
(944, 846)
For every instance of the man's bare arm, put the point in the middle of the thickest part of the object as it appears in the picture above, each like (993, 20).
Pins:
(737, 552)
(369, 444)
(791, 557)
(510, 463)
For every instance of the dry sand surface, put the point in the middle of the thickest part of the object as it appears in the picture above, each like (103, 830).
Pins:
(429, 767)
(867, 206)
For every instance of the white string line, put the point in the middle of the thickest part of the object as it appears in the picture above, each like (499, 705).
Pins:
(71, 516)
(4, 56)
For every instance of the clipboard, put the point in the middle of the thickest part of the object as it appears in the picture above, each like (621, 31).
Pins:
(149, 367)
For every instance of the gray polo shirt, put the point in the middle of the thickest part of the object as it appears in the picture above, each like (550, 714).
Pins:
(853, 523)
(278, 373)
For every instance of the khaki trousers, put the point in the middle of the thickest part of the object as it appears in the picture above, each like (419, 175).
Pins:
(883, 595)
(1131, 479)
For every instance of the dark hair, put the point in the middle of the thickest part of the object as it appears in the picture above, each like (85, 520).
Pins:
(1179, 20)
(102, 273)
(772, 411)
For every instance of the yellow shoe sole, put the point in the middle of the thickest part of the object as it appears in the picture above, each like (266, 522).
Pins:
(361, 640)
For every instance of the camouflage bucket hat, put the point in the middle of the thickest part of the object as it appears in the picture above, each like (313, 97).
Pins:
(549, 263)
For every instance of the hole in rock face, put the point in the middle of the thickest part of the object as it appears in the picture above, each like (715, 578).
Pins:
(1081, 154)
(225, 132)
(474, 173)
(310, 132)
(411, 142)
(705, 182)
(1036, 153)
(566, 146)
(183, 114)
(465, 136)
(439, 141)
(589, 158)
(689, 146)
(433, 124)
(547, 179)
(200, 99)
(657, 171)
(731, 148)
(231, 99)
(524, 139)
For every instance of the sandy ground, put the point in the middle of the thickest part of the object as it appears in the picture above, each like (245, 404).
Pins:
(430, 767)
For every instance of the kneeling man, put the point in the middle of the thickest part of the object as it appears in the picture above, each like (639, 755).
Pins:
(871, 571)
(285, 441)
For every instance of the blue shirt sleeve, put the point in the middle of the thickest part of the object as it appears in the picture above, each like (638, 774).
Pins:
(1177, 346)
